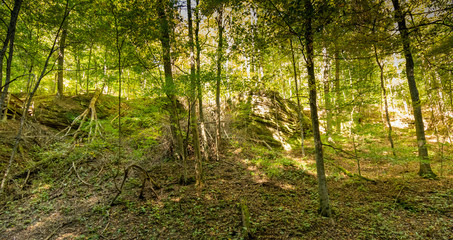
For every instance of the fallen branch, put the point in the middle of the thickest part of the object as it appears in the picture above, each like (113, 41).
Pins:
(77, 174)
(262, 141)
(25, 181)
(339, 149)
(352, 175)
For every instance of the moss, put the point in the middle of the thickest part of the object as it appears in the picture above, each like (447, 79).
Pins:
(264, 113)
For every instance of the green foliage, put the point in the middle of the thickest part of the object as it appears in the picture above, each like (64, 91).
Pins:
(273, 164)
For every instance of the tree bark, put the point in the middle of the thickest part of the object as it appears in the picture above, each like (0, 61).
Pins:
(386, 107)
(324, 208)
(78, 72)
(89, 66)
(425, 166)
(170, 86)
(119, 47)
(193, 101)
(9, 39)
(299, 108)
(60, 86)
(204, 137)
(326, 82)
(337, 92)
(219, 73)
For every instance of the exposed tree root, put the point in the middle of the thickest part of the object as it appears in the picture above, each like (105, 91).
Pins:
(94, 125)
(146, 177)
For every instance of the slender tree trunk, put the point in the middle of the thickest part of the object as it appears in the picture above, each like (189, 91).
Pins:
(60, 86)
(299, 108)
(193, 101)
(204, 137)
(324, 208)
(384, 93)
(326, 82)
(170, 87)
(425, 166)
(30, 75)
(89, 66)
(78, 72)
(337, 93)
(119, 47)
(9, 39)
(219, 73)
(4, 95)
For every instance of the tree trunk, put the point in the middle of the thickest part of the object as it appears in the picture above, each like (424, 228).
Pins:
(119, 47)
(170, 87)
(89, 66)
(204, 137)
(299, 108)
(337, 93)
(193, 101)
(9, 39)
(78, 72)
(326, 82)
(324, 208)
(425, 166)
(60, 87)
(384, 93)
(219, 73)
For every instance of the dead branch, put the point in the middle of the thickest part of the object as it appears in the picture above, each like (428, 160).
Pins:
(352, 175)
(339, 149)
(261, 141)
(77, 174)
(26, 179)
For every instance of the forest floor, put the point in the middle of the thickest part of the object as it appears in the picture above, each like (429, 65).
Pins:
(63, 190)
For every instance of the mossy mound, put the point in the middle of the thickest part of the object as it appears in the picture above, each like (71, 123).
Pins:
(58, 113)
(268, 117)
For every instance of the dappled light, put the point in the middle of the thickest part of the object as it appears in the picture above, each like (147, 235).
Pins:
(218, 119)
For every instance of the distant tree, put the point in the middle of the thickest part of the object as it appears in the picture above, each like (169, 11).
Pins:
(61, 49)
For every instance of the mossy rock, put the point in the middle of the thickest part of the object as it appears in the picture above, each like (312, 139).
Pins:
(267, 116)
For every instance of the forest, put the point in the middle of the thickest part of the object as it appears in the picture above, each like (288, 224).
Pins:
(226, 119)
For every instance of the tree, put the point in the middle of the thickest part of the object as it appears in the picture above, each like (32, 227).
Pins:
(324, 202)
(8, 40)
(60, 86)
(193, 101)
(299, 108)
(170, 90)
(199, 83)
(384, 94)
(425, 166)
(327, 102)
(220, 29)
